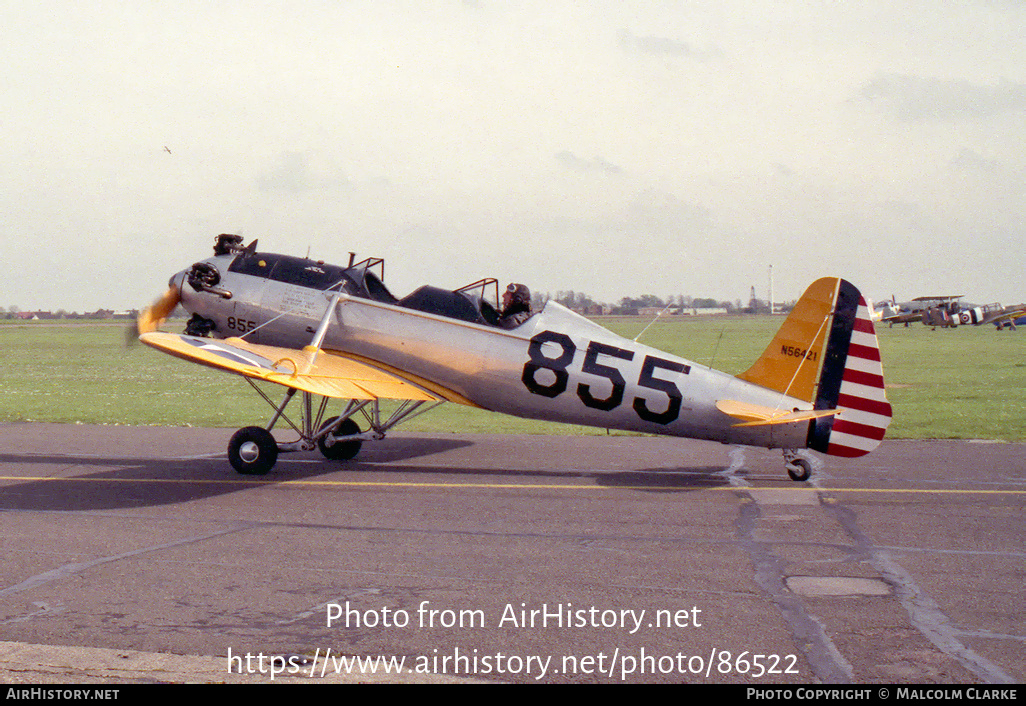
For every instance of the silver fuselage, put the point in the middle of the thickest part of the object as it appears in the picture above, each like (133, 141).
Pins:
(557, 366)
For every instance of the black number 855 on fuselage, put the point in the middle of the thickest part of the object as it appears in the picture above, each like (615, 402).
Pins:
(557, 380)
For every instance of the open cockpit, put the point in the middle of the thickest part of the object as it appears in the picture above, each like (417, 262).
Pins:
(477, 302)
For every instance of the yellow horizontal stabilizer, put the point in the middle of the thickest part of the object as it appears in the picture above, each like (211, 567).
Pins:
(316, 372)
(754, 415)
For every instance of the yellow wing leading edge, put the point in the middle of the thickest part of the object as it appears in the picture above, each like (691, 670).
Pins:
(308, 370)
(312, 369)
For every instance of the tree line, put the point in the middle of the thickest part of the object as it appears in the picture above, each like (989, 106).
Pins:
(630, 306)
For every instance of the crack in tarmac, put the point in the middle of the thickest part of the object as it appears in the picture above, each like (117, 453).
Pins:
(827, 662)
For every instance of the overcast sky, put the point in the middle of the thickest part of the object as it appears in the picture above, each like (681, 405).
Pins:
(612, 147)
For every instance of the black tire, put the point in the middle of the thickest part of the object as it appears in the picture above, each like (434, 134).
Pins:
(252, 451)
(340, 450)
(799, 470)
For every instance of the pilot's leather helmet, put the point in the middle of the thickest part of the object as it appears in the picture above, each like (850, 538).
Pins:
(519, 293)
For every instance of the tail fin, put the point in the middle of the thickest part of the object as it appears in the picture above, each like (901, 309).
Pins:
(791, 362)
(827, 353)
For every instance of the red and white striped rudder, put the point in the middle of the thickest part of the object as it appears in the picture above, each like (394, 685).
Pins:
(851, 381)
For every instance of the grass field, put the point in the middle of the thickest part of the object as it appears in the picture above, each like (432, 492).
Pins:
(962, 383)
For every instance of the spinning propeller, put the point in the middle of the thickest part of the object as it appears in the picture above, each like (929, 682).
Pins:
(153, 316)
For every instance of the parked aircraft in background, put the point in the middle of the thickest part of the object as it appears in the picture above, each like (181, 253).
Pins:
(1001, 316)
(893, 313)
(947, 312)
(944, 313)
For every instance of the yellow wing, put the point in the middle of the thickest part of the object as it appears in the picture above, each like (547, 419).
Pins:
(310, 370)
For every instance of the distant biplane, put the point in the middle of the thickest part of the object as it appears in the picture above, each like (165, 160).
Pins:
(329, 331)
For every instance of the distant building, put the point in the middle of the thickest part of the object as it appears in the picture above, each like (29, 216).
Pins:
(656, 310)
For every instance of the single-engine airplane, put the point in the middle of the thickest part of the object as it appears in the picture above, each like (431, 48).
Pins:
(893, 313)
(1001, 316)
(337, 332)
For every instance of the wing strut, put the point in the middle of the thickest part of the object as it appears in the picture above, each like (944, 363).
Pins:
(312, 371)
(315, 345)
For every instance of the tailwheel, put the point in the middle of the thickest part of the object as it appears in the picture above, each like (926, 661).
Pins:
(797, 467)
(252, 451)
(337, 450)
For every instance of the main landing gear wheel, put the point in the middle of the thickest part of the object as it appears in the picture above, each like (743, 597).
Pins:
(340, 450)
(799, 469)
(252, 451)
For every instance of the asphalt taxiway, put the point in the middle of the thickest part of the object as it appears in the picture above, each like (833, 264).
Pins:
(138, 554)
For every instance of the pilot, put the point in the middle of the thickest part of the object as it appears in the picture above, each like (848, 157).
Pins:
(516, 306)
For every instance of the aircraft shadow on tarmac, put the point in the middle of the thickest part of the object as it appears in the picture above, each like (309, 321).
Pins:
(655, 479)
(171, 481)
(665, 480)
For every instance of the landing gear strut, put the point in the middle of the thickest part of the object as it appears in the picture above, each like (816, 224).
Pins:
(797, 467)
(254, 451)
